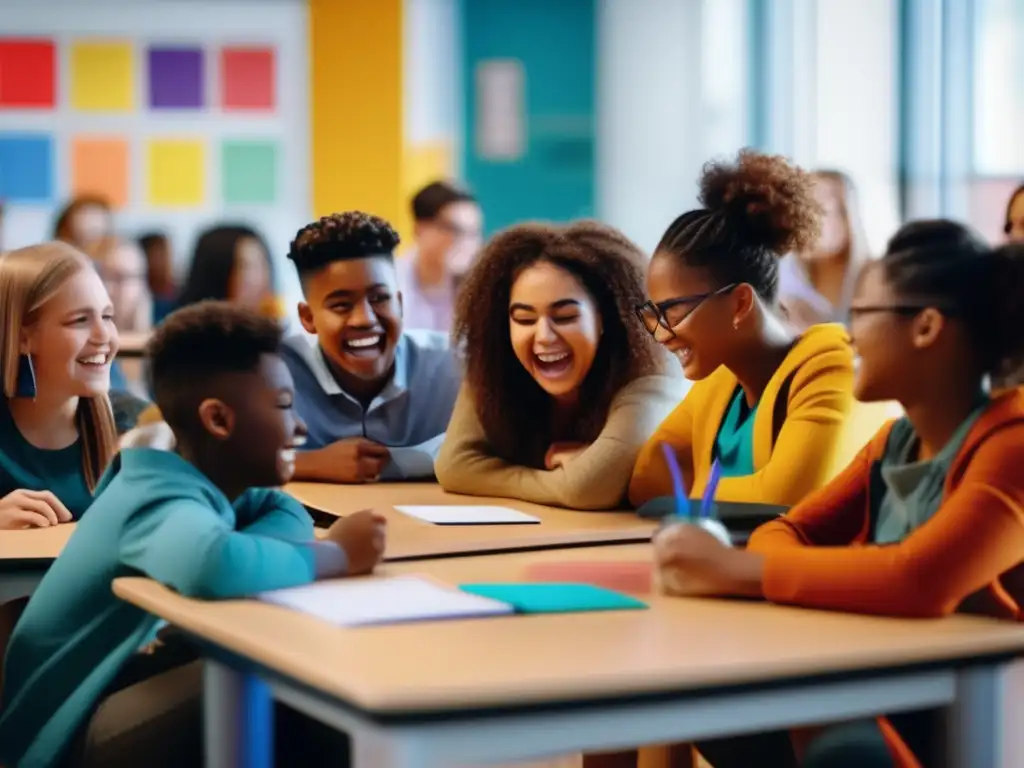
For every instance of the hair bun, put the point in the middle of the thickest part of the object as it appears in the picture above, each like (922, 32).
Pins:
(766, 200)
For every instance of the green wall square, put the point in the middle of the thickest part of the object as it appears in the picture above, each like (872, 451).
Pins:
(249, 171)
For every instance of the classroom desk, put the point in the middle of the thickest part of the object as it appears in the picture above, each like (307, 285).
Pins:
(132, 345)
(25, 556)
(411, 538)
(520, 688)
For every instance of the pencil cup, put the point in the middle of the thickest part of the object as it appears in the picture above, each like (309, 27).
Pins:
(677, 581)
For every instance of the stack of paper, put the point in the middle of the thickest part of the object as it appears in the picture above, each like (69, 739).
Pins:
(467, 515)
(384, 601)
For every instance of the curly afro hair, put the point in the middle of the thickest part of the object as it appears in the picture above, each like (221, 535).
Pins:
(755, 210)
(513, 409)
(341, 236)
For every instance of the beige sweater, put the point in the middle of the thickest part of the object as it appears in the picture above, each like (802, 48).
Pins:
(596, 479)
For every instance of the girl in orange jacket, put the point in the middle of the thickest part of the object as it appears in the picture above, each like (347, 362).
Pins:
(929, 518)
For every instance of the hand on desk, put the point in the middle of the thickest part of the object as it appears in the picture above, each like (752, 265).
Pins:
(31, 509)
(690, 561)
(353, 460)
(362, 536)
(560, 454)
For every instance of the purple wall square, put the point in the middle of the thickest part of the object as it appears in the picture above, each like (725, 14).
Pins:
(176, 78)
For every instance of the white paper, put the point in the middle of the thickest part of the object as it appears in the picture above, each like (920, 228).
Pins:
(384, 601)
(467, 515)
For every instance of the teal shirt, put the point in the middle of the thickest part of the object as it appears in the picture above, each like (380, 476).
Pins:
(22, 465)
(155, 515)
(913, 489)
(734, 446)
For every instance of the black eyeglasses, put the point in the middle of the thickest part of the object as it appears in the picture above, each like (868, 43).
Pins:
(907, 310)
(671, 312)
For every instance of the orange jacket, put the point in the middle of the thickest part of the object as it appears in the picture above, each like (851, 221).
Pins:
(817, 555)
(968, 556)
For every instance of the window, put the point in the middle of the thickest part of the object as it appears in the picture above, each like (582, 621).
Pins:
(998, 87)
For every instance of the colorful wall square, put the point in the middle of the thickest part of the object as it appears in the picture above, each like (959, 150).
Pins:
(102, 77)
(26, 168)
(248, 80)
(99, 166)
(249, 171)
(176, 78)
(175, 169)
(27, 74)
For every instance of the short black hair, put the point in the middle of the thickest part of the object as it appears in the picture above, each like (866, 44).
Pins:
(946, 264)
(755, 211)
(429, 201)
(213, 261)
(339, 237)
(197, 343)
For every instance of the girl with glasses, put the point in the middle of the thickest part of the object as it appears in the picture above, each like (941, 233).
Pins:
(768, 405)
(928, 520)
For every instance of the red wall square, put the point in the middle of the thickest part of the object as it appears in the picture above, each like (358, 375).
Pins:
(27, 74)
(247, 78)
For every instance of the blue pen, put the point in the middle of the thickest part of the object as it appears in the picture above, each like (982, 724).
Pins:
(682, 503)
(707, 504)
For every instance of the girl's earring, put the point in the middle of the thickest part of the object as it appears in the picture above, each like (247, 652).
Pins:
(25, 384)
(735, 325)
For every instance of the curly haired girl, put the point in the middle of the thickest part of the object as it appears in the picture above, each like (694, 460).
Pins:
(562, 384)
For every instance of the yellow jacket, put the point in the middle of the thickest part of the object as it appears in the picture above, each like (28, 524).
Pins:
(799, 427)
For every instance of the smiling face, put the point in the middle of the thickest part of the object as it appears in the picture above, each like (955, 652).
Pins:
(554, 327)
(697, 310)
(72, 340)
(453, 237)
(835, 225)
(252, 417)
(354, 308)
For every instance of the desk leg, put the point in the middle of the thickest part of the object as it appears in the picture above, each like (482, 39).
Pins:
(984, 721)
(238, 719)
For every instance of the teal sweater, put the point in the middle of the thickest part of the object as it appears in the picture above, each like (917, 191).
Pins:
(156, 515)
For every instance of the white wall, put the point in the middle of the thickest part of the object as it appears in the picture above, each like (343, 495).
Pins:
(282, 23)
(674, 91)
(649, 115)
(855, 113)
(432, 70)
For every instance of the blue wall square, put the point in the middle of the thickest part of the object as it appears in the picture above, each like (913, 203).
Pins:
(26, 168)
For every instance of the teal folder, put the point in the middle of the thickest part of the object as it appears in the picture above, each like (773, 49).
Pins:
(555, 598)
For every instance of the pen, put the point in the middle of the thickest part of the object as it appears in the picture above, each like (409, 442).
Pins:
(707, 503)
(682, 503)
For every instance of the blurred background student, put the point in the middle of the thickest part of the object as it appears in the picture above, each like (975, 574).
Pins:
(447, 235)
(163, 288)
(815, 284)
(232, 263)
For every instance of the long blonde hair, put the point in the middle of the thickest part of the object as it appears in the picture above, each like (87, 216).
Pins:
(29, 277)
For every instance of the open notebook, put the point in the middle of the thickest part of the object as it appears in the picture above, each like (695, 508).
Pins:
(398, 599)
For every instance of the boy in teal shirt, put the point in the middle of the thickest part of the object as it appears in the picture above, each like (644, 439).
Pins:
(198, 520)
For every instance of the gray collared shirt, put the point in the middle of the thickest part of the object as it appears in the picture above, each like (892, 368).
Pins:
(409, 416)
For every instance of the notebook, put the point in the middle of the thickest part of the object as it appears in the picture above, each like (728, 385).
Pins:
(633, 577)
(390, 600)
(468, 515)
(555, 597)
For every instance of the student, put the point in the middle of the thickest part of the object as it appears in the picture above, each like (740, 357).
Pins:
(122, 266)
(447, 233)
(159, 273)
(77, 690)
(86, 222)
(57, 431)
(563, 387)
(377, 399)
(232, 263)
(1014, 226)
(816, 282)
(769, 405)
(929, 518)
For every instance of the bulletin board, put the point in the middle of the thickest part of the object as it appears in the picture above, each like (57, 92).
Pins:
(181, 113)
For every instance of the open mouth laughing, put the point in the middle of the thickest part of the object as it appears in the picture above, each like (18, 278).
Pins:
(553, 365)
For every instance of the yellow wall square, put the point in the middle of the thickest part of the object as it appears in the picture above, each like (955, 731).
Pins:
(175, 172)
(102, 77)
